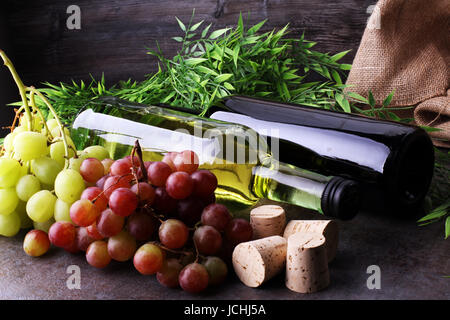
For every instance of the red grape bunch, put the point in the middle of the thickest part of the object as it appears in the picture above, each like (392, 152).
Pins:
(160, 215)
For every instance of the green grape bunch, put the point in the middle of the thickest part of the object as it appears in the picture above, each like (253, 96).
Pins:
(39, 165)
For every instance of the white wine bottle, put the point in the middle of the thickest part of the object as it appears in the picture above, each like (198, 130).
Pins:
(239, 157)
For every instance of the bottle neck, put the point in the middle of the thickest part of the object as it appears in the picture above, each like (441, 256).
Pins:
(331, 196)
(281, 182)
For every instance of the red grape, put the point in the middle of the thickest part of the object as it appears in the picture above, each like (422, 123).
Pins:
(120, 167)
(122, 246)
(148, 259)
(141, 225)
(147, 164)
(169, 273)
(36, 243)
(189, 210)
(173, 233)
(91, 169)
(205, 182)
(109, 224)
(93, 231)
(217, 270)
(239, 230)
(62, 234)
(193, 278)
(116, 182)
(97, 254)
(216, 215)
(164, 203)
(73, 248)
(208, 240)
(83, 239)
(145, 192)
(123, 202)
(179, 185)
(107, 163)
(186, 161)
(83, 212)
(168, 158)
(91, 193)
(101, 182)
(158, 172)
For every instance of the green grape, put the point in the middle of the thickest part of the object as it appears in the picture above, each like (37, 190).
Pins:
(75, 163)
(8, 201)
(30, 145)
(51, 124)
(69, 185)
(8, 143)
(41, 206)
(62, 211)
(44, 226)
(46, 169)
(21, 210)
(9, 224)
(56, 132)
(97, 152)
(27, 186)
(57, 151)
(10, 170)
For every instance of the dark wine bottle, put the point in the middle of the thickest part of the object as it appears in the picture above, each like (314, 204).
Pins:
(391, 159)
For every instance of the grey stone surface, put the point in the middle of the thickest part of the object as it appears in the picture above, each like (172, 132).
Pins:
(413, 262)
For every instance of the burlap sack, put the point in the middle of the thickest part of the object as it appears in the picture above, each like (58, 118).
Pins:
(406, 48)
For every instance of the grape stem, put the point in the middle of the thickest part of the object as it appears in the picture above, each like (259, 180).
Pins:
(23, 94)
(58, 121)
(158, 244)
(33, 105)
(20, 85)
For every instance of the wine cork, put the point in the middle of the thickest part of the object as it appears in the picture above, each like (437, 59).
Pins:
(257, 261)
(306, 263)
(328, 228)
(267, 221)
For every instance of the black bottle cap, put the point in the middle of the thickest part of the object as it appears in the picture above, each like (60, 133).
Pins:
(341, 198)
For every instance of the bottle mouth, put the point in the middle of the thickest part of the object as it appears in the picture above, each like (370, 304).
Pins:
(411, 170)
(341, 198)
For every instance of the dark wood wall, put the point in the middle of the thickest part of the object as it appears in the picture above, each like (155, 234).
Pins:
(115, 33)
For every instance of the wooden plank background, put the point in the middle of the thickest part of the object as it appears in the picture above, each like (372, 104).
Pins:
(115, 33)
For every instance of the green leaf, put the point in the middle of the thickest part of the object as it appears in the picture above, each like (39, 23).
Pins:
(256, 27)
(343, 102)
(236, 50)
(336, 76)
(223, 77)
(357, 96)
(205, 31)
(195, 26)
(447, 227)
(194, 61)
(339, 55)
(388, 99)
(345, 66)
(228, 85)
(181, 24)
(206, 70)
(178, 39)
(240, 25)
(430, 129)
(372, 101)
(218, 33)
